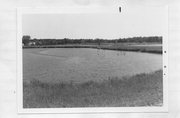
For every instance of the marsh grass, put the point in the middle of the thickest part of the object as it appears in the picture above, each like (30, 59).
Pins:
(138, 90)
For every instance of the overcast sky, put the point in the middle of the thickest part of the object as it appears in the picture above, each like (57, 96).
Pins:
(131, 22)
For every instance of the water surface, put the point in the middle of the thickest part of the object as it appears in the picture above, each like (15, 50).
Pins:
(83, 64)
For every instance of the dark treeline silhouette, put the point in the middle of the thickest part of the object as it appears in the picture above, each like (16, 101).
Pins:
(26, 40)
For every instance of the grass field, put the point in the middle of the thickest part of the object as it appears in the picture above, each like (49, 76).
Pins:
(139, 90)
(110, 46)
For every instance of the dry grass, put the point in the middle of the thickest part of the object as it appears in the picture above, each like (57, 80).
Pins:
(139, 90)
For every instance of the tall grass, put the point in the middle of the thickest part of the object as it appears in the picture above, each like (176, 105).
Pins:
(138, 90)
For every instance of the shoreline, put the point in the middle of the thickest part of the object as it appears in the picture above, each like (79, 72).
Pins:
(145, 89)
(133, 48)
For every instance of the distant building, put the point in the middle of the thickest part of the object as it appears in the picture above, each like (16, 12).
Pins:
(31, 43)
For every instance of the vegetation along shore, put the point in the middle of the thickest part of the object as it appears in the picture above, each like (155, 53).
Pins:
(140, 90)
(140, 44)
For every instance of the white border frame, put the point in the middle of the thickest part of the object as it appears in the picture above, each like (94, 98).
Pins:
(88, 110)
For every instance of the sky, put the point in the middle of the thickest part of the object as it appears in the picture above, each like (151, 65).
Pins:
(131, 22)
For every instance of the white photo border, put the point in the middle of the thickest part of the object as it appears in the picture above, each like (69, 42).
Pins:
(76, 10)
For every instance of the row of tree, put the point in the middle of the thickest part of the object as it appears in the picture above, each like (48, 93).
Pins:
(28, 41)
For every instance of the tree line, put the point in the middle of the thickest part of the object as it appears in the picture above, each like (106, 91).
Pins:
(26, 40)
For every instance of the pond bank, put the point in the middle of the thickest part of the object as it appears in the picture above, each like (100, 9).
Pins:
(140, 90)
(121, 47)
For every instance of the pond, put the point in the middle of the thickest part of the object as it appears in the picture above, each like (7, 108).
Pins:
(84, 64)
